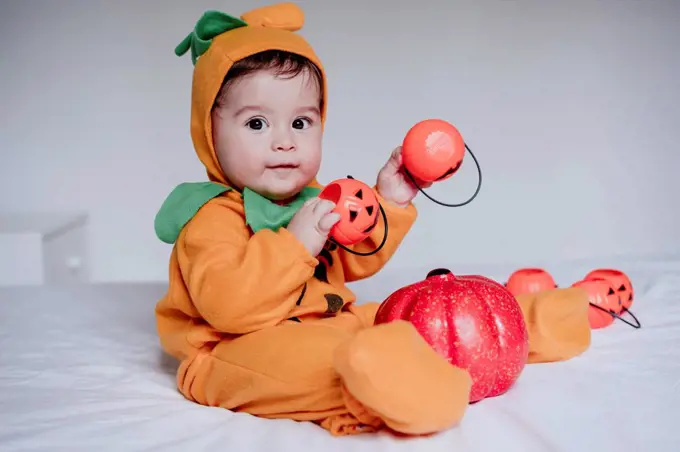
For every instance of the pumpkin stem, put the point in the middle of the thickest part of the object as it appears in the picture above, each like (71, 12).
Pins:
(438, 272)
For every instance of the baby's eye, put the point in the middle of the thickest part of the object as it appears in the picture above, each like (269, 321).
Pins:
(256, 124)
(300, 123)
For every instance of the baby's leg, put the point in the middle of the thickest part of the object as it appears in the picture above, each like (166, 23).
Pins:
(324, 371)
(280, 372)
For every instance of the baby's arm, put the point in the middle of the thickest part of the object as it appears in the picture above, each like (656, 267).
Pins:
(399, 222)
(240, 283)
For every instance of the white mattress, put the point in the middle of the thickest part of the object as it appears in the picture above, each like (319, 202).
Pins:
(80, 369)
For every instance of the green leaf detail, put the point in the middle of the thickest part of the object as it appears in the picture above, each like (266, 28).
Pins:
(262, 213)
(181, 206)
(211, 24)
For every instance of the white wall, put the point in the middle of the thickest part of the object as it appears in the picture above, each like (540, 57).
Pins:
(573, 109)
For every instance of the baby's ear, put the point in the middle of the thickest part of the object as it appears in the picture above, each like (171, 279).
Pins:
(287, 16)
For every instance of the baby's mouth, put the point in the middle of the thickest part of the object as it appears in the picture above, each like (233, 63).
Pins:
(284, 166)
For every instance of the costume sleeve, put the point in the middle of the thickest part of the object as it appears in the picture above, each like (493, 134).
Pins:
(241, 283)
(399, 222)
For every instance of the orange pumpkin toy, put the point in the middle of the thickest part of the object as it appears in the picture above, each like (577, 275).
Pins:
(622, 286)
(619, 280)
(529, 280)
(358, 207)
(433, 151)
(604, 302)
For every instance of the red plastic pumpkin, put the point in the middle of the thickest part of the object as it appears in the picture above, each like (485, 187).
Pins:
(433, 150)
(619, 281)
(603, 299)
(530, 280)
(472, 321)
(358, 207)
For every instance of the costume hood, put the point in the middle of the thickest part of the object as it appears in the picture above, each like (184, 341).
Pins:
(217, 42)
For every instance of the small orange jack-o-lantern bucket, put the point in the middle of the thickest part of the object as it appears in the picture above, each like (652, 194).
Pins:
(358, 207)
(529, 280)
(618, 280)
(432, 150)
(605, 303)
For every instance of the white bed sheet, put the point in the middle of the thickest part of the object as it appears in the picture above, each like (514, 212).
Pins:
(80, 369)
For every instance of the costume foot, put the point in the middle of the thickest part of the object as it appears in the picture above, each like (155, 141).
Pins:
(557, 322)
(398, 377)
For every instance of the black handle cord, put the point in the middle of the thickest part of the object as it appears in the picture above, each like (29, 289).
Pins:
(630, 313)
(613, 314)
(479, 184)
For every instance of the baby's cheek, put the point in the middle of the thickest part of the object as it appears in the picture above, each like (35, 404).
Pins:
(242, 168)
(252, 166)
(311, 168)
(246, 153)
(312, 158)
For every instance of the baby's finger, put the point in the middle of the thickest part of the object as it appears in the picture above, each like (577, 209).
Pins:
(311, 201)
(323, 207)
(328, 221)
(394, 162)
(396, 155)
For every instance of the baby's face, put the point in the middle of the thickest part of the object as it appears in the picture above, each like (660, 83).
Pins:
(267, 133)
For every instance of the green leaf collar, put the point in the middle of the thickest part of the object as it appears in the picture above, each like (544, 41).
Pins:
(187, 198)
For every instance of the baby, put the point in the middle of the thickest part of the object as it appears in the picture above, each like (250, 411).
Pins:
(257, 311)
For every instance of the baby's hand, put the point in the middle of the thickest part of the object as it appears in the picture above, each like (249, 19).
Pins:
(394, 185)
(312, 224)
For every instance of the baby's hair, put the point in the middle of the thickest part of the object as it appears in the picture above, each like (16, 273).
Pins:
(282, 63)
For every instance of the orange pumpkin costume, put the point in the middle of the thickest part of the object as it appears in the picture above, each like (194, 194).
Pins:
(260, 326)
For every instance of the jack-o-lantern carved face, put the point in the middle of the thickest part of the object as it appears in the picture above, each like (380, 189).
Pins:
(606, 301)
(433, 150)
(619, 281)
(530, 280)
(358, 207)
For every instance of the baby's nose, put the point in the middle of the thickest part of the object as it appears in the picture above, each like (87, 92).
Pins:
(285, 147)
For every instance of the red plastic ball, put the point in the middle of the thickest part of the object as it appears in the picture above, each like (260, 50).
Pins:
(358, 207)
(433, 150)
